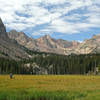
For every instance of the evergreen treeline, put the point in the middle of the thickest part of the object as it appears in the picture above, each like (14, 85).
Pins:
(11, 66)
(73, 64)
(54, 64)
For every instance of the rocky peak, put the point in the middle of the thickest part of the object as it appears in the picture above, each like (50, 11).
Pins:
(47, 40)
(2, 29)
(75, 43)
(47, 36)
(15, 33)
(20, 37)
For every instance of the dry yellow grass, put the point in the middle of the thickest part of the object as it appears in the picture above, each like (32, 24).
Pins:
(51, 83)
(89, 85)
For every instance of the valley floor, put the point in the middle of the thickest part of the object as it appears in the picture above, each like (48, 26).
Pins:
(49, 87)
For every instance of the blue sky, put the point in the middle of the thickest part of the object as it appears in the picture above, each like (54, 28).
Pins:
(64, 19)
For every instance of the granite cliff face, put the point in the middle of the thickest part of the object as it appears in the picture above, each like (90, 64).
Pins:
(10, 48)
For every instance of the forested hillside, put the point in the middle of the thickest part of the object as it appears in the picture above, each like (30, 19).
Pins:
(43, 63)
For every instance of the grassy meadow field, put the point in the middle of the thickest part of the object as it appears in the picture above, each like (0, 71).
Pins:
(49, 87)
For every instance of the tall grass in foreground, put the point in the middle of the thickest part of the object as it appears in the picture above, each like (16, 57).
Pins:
(50, 87)
(40, 95)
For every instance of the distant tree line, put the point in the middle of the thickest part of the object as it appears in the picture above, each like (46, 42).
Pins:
(54, 64)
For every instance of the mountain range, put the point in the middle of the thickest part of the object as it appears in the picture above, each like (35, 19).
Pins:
(14, 44)
(42, 44)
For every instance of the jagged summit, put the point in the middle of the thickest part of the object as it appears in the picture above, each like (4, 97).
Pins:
(47, 36)
(2, 29)
(13, 31)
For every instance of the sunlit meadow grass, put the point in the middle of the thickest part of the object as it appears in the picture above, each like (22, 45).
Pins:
(45, 87)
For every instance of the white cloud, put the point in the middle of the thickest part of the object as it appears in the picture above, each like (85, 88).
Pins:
(64, 16)
(54, 2)
(61, 26)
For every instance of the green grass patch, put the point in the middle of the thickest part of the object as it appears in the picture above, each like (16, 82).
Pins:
(40, 95)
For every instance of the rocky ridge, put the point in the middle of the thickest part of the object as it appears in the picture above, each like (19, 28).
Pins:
(59, 46)
(42, 44)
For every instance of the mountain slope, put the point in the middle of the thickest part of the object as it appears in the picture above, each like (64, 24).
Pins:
(10, 48)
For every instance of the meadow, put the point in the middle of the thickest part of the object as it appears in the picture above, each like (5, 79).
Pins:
(49, 87)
